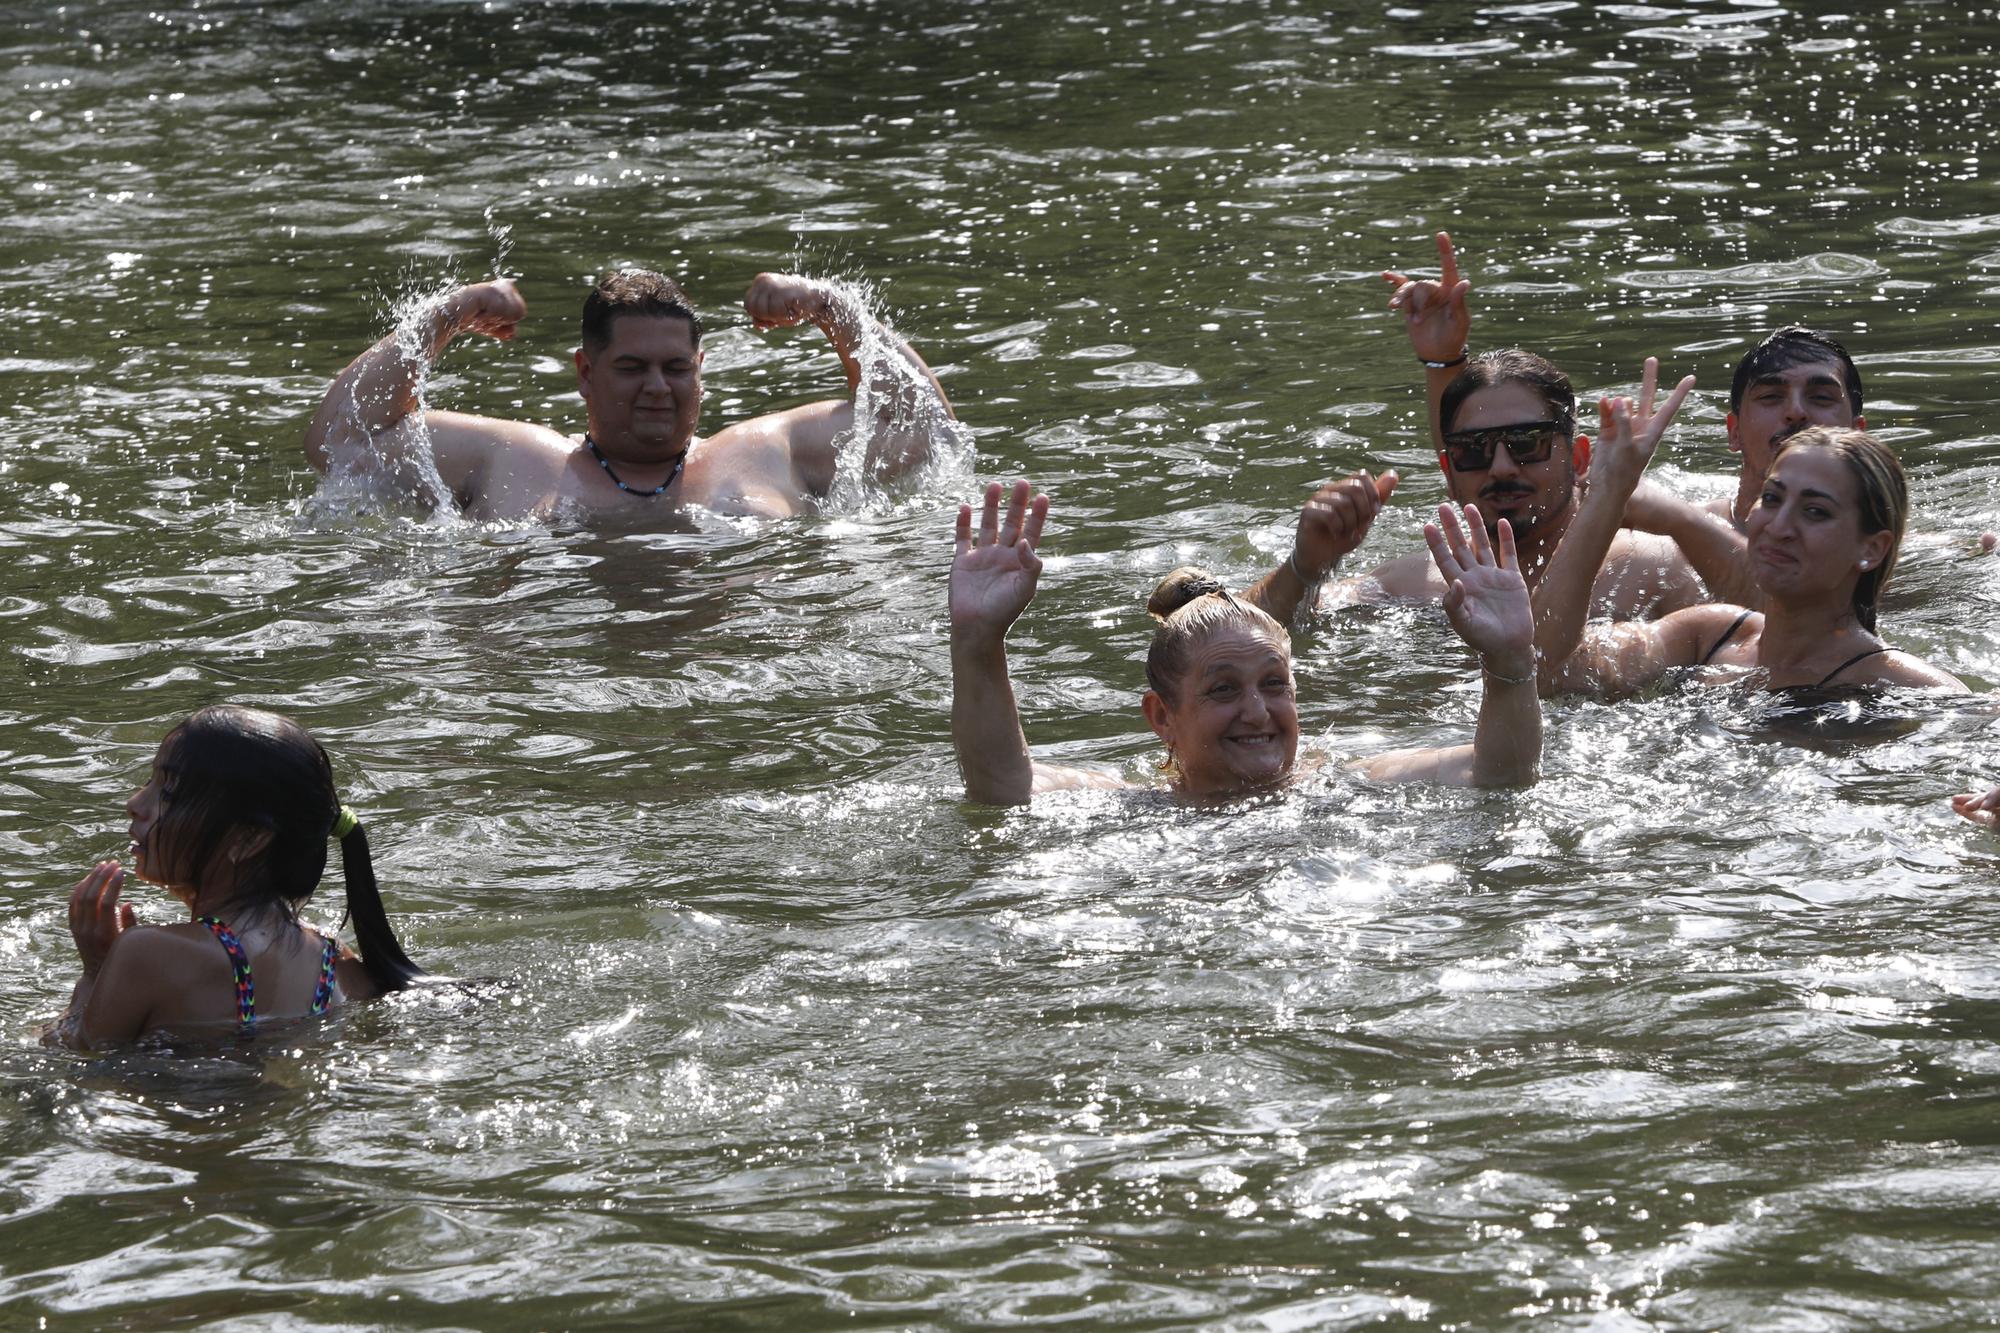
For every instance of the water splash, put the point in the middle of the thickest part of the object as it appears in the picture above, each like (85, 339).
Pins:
(897, 416)
(359, 480)
(503, 241)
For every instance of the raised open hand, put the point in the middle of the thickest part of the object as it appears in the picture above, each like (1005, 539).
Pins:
(1485, 595)
(1629, 430)
(1336, 520)
(493, 308)
(780, 300)
(993, 578)
(1434, 310)
(96, 917)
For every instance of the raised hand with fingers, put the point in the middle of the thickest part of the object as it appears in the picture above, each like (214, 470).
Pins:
(993, 576)
(1435, 315)
(1336, 520)
(96, 917)
(1629, 430)
(1485, 597)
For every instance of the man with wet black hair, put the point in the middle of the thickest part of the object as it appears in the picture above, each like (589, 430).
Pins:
(638, 371)
(1793, 379)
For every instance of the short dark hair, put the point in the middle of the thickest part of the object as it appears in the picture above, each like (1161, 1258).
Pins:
(1788, 347)
(633, 291)
(229, 768)
(1509, 365)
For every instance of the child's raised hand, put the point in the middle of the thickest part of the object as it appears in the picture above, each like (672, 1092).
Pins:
(96, 917)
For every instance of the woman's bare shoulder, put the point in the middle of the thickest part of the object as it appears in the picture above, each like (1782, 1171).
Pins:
(1898, 668)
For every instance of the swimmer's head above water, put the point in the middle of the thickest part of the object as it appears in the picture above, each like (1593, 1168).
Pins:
(1833, 507)
(246, 799)
(1221, 695)
(634, 291)
(1508, 425)
(638, 367)
(1794, 379)
(234, 820)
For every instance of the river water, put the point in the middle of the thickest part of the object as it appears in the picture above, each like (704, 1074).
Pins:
(759, 1026)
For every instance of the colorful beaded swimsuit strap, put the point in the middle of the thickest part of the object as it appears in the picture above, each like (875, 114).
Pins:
(329, 954)
(239, 963)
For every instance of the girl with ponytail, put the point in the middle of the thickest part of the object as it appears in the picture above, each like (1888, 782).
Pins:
(234, 820)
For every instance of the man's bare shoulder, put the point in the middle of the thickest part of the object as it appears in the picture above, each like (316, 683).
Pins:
(479, 437)
(1645, 576)
(1632, 547)
(1411, 577)
(796, 444)
(769, 465)
(497, 469)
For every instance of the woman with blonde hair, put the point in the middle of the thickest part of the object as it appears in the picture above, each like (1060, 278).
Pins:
(1219, 673)
(1823, 537)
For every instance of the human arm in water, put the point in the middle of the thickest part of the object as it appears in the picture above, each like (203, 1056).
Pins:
(1339, 514)
(993, 579)
(369, 417)
(903, 393)
(1487, 602)
(1717, 551)
(1334, 521)
(1626, 656)
(1439, 324)
(110, 1004)
(1982, 810)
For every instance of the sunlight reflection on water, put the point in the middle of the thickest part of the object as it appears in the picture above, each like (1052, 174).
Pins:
(756, 1020)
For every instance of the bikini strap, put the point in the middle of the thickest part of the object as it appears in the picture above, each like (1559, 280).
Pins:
(239, 964)
(1828, 678)
(1727, 635)
(329, 955)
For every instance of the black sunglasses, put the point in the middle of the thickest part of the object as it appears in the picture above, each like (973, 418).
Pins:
(1526, 442)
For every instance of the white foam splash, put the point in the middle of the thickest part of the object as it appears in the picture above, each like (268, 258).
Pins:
(357, 479)
(895, 408)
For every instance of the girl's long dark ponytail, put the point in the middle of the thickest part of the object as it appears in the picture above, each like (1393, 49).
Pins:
(381, 953)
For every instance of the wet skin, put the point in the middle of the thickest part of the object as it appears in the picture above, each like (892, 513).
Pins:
(1805, 531)
(1233, 725)
(643, 390)
(1779, 406)
(1526, 496)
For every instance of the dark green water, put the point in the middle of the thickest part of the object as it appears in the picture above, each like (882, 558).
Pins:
(769, 1030)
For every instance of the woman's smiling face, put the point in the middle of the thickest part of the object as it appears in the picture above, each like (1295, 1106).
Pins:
(1805, 530)
(1233, 724)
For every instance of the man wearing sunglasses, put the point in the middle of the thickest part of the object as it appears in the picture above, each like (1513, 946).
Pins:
(1793, 379)
(1505, 428)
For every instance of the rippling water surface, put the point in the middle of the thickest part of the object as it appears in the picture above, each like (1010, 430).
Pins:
(759, 1025)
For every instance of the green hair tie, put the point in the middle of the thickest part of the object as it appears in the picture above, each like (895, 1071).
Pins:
(345, 825)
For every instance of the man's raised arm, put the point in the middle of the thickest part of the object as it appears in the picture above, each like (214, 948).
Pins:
(1439, 324)
(900, 391)
(1718, 552)
(1335, 520)
(371, 401)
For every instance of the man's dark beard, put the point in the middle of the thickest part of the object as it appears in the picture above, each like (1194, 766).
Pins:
(1527, 522)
